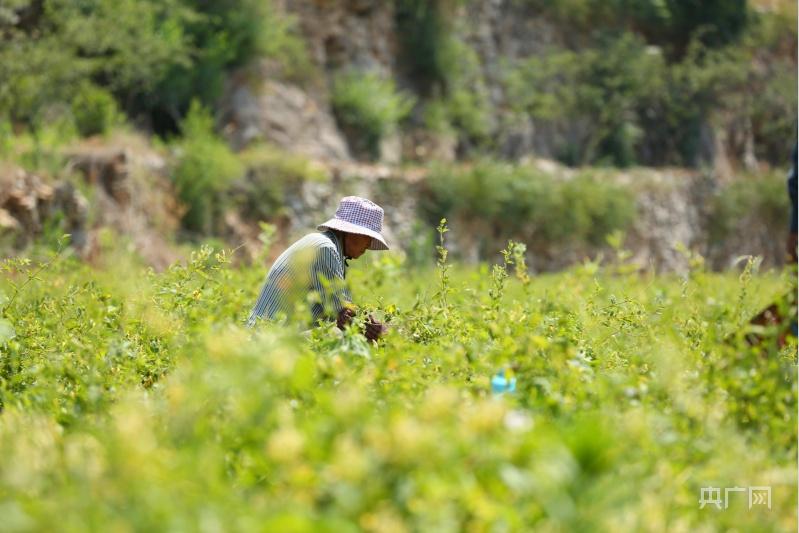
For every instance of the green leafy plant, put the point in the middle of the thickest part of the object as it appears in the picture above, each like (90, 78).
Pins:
(626, 95)
(760, 197)
(369, 108)
(154, 57)
(599, 89)
(119, 382)
(205, 169)
(95, 111)
(542, 210)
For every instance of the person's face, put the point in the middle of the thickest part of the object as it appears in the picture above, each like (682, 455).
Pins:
(355, 245)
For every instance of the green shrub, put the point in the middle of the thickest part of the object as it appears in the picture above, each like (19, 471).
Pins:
(766, 96)
(670, 23)
(761, 198)
(369, 108)
(6, 138)
(425, 29)
(154, 56)
(142, 390)
(600, 89)
(226, 35)
(614, 98)
(520, 203)
(35, 75)
(422, 28)
(41, 148)
(596, 208)
(465, 93)
(445, 69)
(204, 171)
(620, 102)
(95, 110)
(126, 47)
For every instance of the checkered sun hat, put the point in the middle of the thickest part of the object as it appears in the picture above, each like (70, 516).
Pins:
(361, 216)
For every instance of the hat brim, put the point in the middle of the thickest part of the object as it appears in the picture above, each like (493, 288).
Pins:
(378, 242)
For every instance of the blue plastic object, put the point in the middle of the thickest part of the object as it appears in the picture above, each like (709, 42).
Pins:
(503, 382)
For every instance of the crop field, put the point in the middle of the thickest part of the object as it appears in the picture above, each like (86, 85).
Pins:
(137, 401)
(592, 374)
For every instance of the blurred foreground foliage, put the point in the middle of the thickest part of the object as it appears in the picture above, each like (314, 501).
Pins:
(136, 400)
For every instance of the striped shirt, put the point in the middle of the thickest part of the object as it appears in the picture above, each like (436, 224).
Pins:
(310, 272)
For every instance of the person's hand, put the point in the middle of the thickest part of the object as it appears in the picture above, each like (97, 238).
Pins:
(374, 329)
(345, 316)
(790, 246)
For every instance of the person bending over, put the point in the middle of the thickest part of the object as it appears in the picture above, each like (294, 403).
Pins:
(312, 271)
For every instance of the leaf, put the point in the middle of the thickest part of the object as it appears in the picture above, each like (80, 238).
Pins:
(7, 331)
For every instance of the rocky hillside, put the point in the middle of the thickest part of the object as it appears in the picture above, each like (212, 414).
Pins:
(364, 35)
(579, 128)
(471, 95)
(122, 185)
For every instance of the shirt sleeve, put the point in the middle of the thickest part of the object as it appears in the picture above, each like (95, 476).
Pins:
(327, 278)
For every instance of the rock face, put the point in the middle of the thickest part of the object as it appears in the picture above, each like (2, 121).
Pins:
(339, 35)
(131, 191)
(104, 168)
(284, 115)
(672, 213)
(343, 34)
(28, 202)
(130, 194)
(498, 33)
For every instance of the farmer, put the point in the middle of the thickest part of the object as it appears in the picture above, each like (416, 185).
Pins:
(312, 270)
